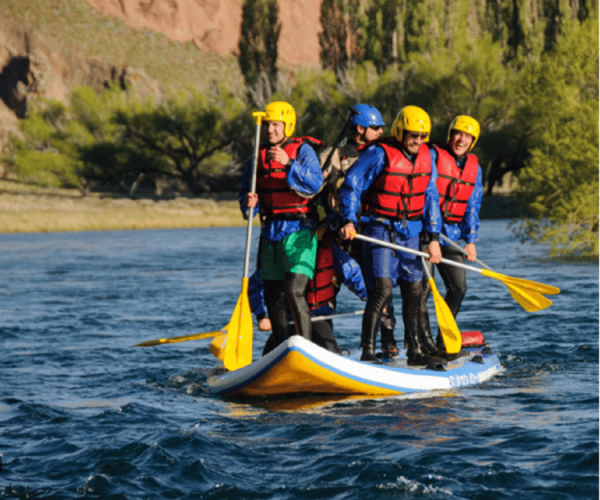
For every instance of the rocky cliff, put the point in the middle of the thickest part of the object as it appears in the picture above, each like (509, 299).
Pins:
(33, 66)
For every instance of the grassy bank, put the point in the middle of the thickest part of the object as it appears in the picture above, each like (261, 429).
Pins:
(27, 209)
(33, 209)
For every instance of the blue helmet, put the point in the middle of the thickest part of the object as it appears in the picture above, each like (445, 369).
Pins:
(368, 116)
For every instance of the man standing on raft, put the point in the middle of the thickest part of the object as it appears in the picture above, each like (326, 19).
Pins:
(396, 178)
(288, 176)
(460, 189)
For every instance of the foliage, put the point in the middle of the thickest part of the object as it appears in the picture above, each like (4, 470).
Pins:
(559, 183)
(393, 31)
(425, 33)
(378, 36)
(258, 46)
(317, 102)
(56, 135)
(187, 136)
(118, 138)
(526, 69)
(338, 41)
(471, 80)
(334, 54)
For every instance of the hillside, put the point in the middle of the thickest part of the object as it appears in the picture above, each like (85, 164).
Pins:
(48, 48)
(214, 25)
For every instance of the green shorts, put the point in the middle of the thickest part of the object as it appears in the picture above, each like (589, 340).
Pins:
(296, 253)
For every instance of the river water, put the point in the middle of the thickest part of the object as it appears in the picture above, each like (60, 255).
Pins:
(83, 414)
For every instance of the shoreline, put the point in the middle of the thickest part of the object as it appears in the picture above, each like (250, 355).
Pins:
(33, 209)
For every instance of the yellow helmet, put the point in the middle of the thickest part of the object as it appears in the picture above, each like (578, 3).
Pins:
(467, 125)
(280, 111)
(411, 119)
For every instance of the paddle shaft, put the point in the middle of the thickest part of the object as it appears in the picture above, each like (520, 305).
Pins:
(333, 316)
(394, 246)
(528, 285)
(426, 268)
(456, 246)
(351, 114)
(238, 352)
(258, 115)
(182, 338)
(207, 335)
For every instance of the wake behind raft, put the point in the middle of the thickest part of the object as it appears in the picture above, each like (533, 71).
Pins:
(298, 366)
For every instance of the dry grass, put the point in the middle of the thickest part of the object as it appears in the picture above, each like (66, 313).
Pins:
(25, 208)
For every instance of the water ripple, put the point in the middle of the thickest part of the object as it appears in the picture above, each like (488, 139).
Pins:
(82, 414)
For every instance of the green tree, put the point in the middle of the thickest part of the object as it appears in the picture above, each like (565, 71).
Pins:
(338, 41)
(43, 156)
(116, 138)
(334, 37)
(258, 48)
(56, 134)
(189, 136)
(378, 37)
(432, 25)
(559, 183)
(393, 30)
(318, 103)
(525, 24)
(353, 12)
(471, 80)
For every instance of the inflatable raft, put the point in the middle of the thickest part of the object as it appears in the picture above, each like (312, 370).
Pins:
(298, 366)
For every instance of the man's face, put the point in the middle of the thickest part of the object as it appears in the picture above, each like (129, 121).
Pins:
(367, 134)
(372, 133)
(412, 141)
(275, 132)
(460, 142)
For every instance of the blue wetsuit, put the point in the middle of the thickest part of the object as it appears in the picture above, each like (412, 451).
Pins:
(383, 267)
(468, 228)
(382, 262)
(455, 279)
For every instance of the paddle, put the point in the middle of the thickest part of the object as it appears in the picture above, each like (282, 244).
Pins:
(457, 247)
(183, 338)
(446, 321)
(238, 352)
(351, 113)
(521, 282)
(528, 299)
(223, 331)
(517, 288)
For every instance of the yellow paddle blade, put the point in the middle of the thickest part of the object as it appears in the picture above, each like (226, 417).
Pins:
(238, 351)
(446, 322)
(522, 283)
(183, 338)
(217, 346)
(529, 300)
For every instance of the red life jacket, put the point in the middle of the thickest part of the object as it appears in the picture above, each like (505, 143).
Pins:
(322, 289)
(277, 200)
(399, 192)
(455, 185)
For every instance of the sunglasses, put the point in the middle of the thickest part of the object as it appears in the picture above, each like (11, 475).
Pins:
(376, 128)
(414, 135)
